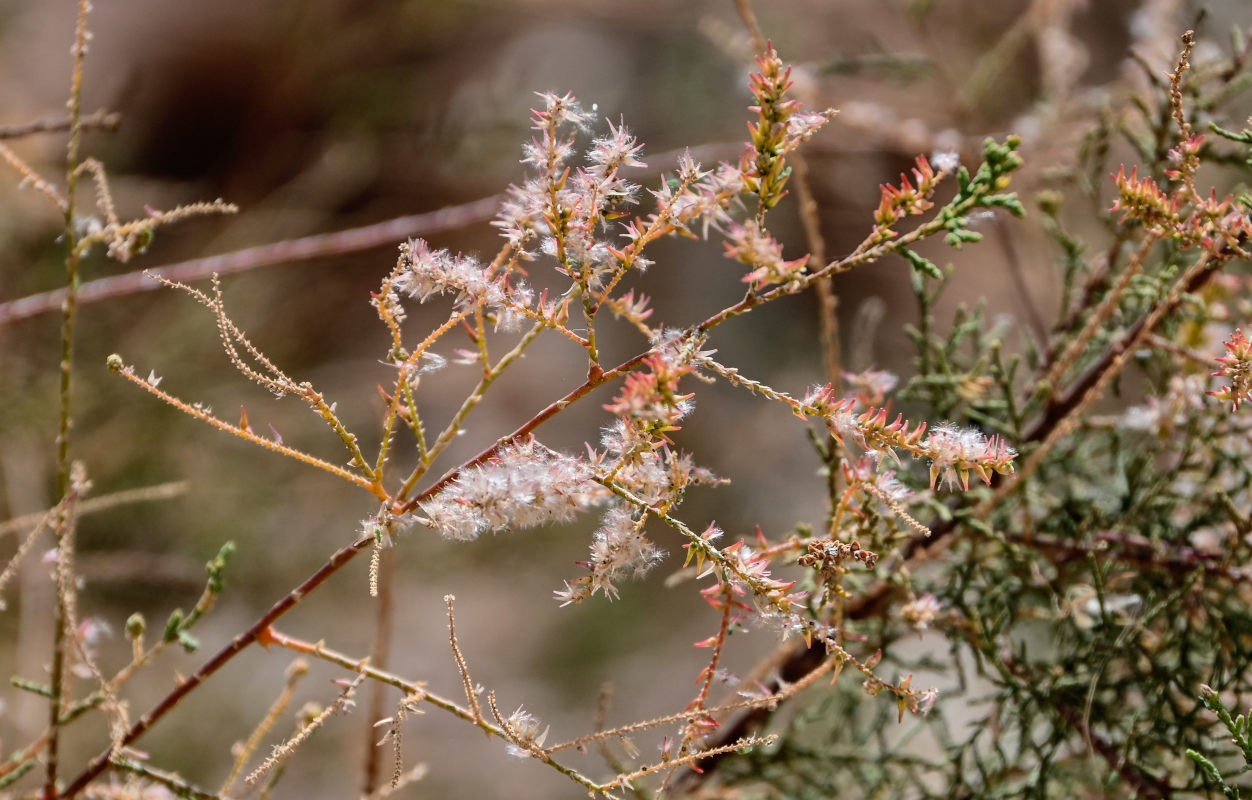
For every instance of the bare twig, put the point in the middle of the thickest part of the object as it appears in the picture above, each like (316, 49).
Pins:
(341, 705)
(101, 119)
(66, 521)
(322, 245)
(295, 671)
(471, 694)
(144, 494)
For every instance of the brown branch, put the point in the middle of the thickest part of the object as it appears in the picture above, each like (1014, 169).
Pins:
(332, 565)
(320, 245)
(350, 240)
(102, 120)
(223, 656)
(380, 655)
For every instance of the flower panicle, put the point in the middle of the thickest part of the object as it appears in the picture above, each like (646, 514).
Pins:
(619, 148)
(750, 245)
(910, 198)
(523, 486)
(954, 453)
(1183, 214)
(779, 128)
(619, 549)
(652, 396)
(748, 572)
(1143, 199)
(871, 428)
(1185, 157)
(632, 306)
(865, 472)
(921, 611)
(528, 732)
(702, 196)
(870, 387)
(1236, 367)
(428, 273)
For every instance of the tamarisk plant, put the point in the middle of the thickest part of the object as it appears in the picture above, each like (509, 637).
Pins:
(1138, 577)
(563, 215)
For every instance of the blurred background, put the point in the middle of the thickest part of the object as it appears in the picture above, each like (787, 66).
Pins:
(327, 114)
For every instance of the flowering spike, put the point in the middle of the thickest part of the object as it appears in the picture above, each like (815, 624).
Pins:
(1236, 366)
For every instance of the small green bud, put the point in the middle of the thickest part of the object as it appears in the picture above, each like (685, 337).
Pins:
(189, 642)
(142, 240)
(173, 624)
(1049, 202)
(115, 363)
(215, 567)
(135, 625)
(922, 265)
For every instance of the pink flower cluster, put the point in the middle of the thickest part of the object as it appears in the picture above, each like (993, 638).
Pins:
(748, 572)
(921, 611)
(1236, 367)
(653, 396)
(429, 272)
(897, 202)
(864, 472)
(870, 387)
(1183, 214)
(753, 246)
(565, 207)
(954, 453)
(780, 127)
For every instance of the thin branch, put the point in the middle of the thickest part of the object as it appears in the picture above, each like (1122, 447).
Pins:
(178, 786)
(284, 751)
(322, 245)
(97, 120)
(220, 659)
(144, 494)
(691, 758)
(412, 688)
(32, 178)
(295, 671)
(65, 484)
(471, 696)
(244, 433)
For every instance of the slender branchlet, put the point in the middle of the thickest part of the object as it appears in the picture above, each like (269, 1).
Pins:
(471, 692)
(65, 524)
(342, 705)
(33, 179)
(145, 494)
(243, 431)
(174, 783)
(243, 752)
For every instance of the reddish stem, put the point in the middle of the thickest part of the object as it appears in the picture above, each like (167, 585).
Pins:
(332, 565)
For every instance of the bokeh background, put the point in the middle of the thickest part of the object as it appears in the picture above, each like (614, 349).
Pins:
(327, 114)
